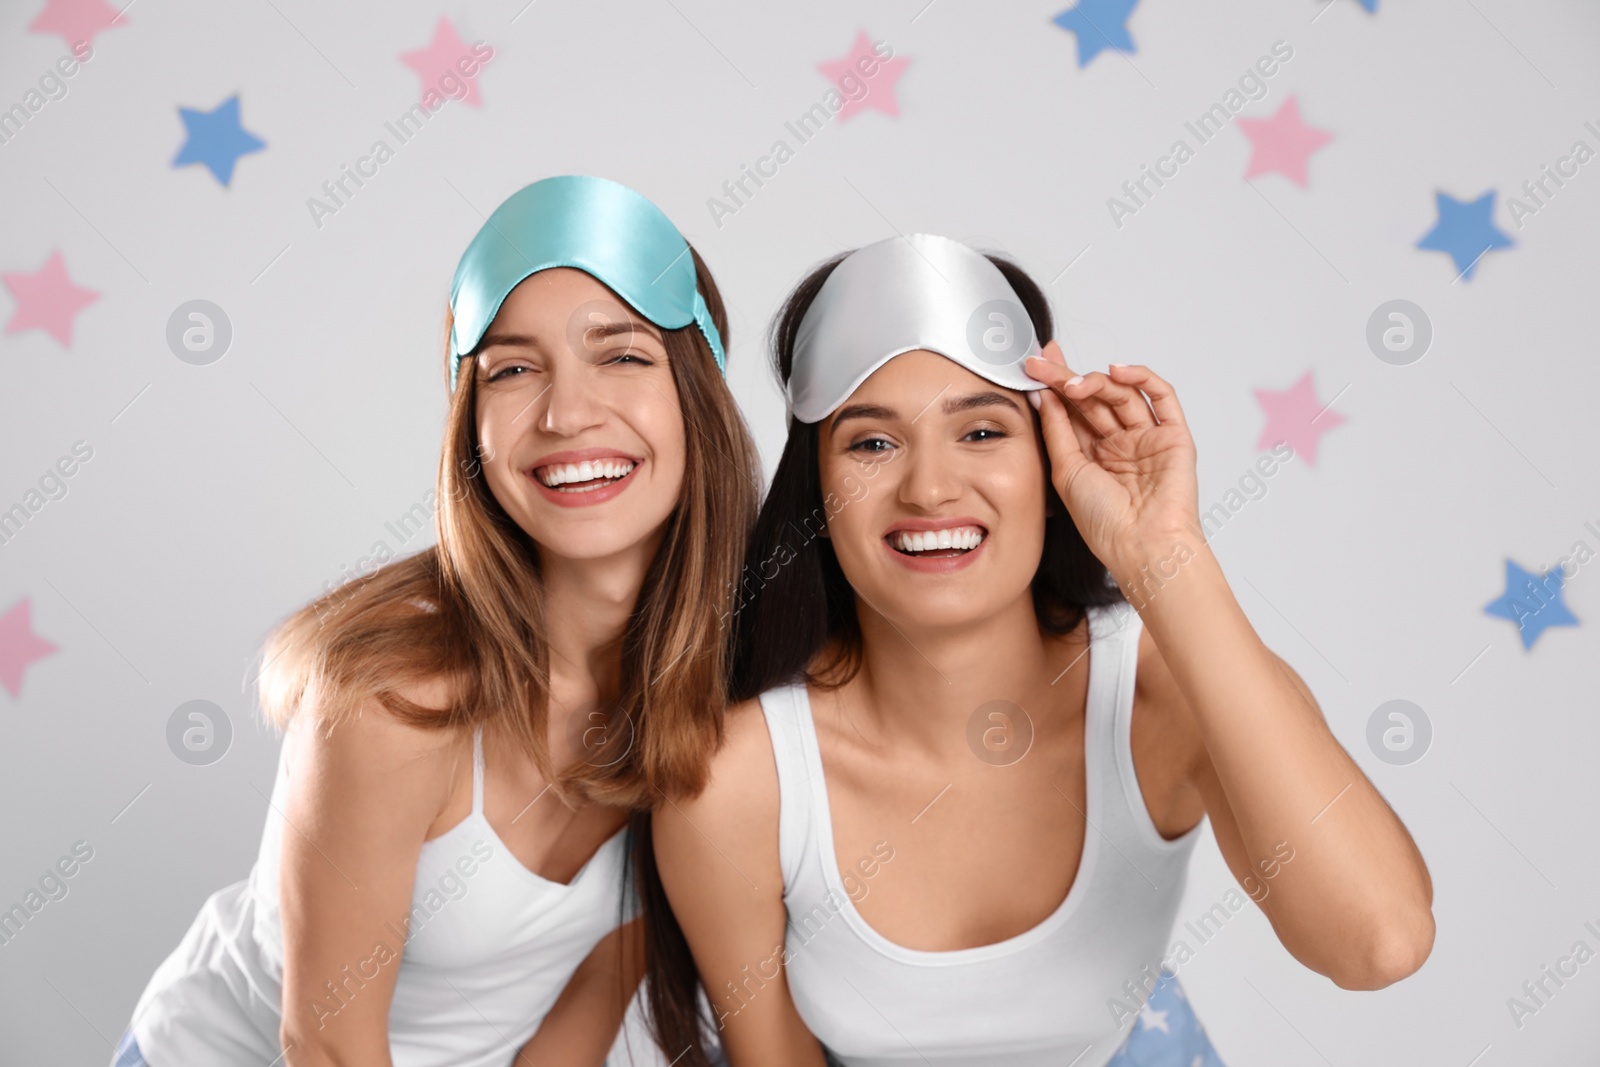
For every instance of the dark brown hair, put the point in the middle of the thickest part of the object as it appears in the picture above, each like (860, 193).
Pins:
(802, 624)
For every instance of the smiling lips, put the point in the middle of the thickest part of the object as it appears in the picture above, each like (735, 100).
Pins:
(583, 477)
(579, 479)
(935, 547)
(957, 538)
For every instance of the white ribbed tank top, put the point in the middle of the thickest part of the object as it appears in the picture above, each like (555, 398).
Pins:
(1038, 999)
(489, 948)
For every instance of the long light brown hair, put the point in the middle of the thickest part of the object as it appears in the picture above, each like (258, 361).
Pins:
(471, 609)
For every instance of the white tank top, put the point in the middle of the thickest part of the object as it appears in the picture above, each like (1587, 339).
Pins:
(489, 948)
(1037, 999)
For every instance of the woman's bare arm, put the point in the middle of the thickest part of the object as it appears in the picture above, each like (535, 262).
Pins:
(583, 1023)
(1355, 903)
(718, 858)
(360, 804)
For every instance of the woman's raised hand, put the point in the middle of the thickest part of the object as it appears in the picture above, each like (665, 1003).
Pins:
(1121, 456)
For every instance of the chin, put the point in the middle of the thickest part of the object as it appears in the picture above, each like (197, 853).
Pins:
(948, 609)
(576, 543)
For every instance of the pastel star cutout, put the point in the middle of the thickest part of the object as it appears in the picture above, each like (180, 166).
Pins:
(1282, 143)
(75, 20)
(439, 59)
(1098, 25)
(1533, 602)
(216, 139)
(1465, 230)
(1296, 416)
(1151, 1019)
(1168, 1034)
(19, 645)
(879, 85)
(47, 299)
(1370, 5)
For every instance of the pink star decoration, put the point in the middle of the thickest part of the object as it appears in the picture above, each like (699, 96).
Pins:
(19, 646)
(47, 300)
(874, 78)
(1296, 416)
(439, 58)
(75, 20)
(1282, 143)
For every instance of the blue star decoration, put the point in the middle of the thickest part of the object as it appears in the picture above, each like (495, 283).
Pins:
(1465, 230)
(1535, 605)
(216, 139)
(1166, 1032)
(1370, 5)
(1098, 25)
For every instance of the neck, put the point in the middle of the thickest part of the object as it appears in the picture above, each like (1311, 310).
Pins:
(921, 685)
(587, 607)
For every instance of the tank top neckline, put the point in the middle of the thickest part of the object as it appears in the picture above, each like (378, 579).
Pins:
(477, 818)
(1105, 658)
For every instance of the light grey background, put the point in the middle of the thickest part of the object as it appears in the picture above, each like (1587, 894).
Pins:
(221, 497)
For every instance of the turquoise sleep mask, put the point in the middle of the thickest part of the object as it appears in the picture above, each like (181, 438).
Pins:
(595, 225)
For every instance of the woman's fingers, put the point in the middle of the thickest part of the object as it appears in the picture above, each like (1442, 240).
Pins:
(1163, 398)
(1078, 391)
(1129, 405)
(1065, 439)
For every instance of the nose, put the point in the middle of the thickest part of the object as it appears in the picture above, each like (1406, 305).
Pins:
(570, 402)
(926, 481)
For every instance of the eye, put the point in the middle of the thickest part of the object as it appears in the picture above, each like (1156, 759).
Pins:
(632, 356)
(866, 445)
(993, 433)
(505, 372)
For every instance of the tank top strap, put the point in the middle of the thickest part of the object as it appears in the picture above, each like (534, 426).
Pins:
(477, 770)
(1114, 631)
(1126, 819)
(794, 750)
(1113, 648)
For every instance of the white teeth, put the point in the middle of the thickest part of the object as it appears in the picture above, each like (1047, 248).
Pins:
(962, 537)
(560, 474)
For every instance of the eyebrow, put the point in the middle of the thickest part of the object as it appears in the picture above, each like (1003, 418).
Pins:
(969, 401)
(952, 406)
(516, 340)
(605, 330)
(611, 329)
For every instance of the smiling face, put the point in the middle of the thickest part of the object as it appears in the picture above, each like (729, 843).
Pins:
(951, 525)
(579, 423)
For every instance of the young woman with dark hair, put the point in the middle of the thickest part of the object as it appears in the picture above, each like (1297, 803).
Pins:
(952, 819)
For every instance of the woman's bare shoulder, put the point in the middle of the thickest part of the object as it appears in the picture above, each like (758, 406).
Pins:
(722, 844)
(373, 757)
(742, 790)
